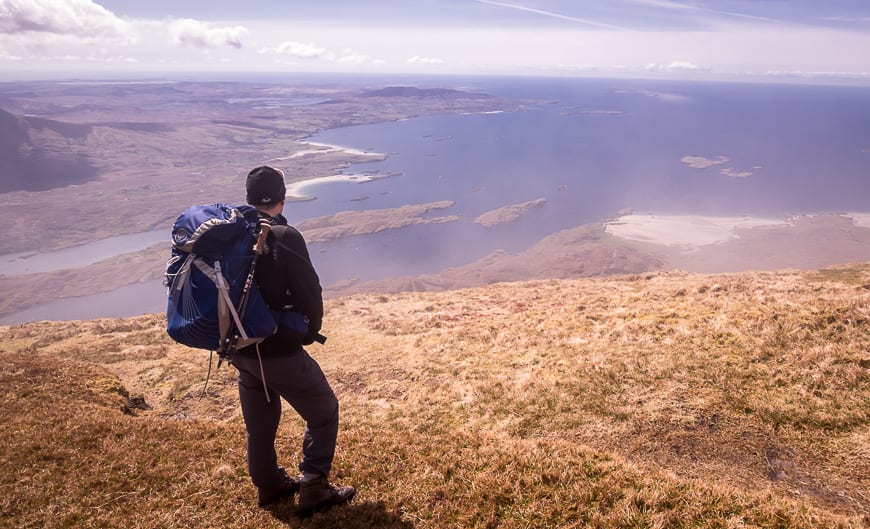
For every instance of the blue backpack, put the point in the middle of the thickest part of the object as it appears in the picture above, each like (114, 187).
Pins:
(214, 302)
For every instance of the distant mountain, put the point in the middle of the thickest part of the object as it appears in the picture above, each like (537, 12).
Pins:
(436, 93)
(35, 153)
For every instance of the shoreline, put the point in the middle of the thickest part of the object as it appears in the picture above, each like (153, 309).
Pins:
(328, 148)
(862, 220)
(295, 189)
(683, 230)
(693, 231)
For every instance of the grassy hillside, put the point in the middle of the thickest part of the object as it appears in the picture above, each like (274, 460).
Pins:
(656, 400)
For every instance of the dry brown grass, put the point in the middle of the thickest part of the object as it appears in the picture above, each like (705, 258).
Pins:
(656, 400)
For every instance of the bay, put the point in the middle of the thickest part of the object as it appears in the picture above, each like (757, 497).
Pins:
(77, 256)
(593, 149)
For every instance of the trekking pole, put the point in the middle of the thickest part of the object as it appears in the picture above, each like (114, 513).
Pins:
(259, 247)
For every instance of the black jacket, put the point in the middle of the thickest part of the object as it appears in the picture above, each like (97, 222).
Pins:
(288, 282)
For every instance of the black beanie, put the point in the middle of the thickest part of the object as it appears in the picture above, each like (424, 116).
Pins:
(265, 186)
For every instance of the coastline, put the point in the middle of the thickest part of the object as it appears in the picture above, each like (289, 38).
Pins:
(861, 220)
(295, 190)
(692, 231)
(328, 148)
(734, 244)
(683, 230)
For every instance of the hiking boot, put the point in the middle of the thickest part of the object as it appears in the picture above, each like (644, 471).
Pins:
(286, 487)
(319, 495)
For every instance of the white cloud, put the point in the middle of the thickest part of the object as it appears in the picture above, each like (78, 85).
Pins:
(350, 56)
(416, 59)
(730, 49)
(79, 18)
(684, 66)
(355, 59)
(300, 50)
(197, 34)
(676, 66)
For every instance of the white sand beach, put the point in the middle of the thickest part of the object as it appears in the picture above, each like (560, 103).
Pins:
(324, 148)
(683, 230)
(860, 219)
(296, 189)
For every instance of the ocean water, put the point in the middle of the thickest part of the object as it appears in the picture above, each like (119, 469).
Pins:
(591, 149)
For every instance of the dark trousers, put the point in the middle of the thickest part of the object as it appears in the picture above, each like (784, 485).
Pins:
(298, 379)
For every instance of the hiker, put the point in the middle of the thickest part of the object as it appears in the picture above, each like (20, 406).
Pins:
(288, 282)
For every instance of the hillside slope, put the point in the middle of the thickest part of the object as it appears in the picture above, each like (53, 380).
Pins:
(38, 154)
(654, 400)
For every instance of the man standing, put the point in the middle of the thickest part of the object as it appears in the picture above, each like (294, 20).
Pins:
(288, 282)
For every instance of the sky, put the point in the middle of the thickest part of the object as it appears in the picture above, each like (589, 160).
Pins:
(767, 40)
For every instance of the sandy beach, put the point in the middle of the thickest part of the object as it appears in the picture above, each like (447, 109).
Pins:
(325, 148)
(860, 219)
(296, 190)
(683, 230)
